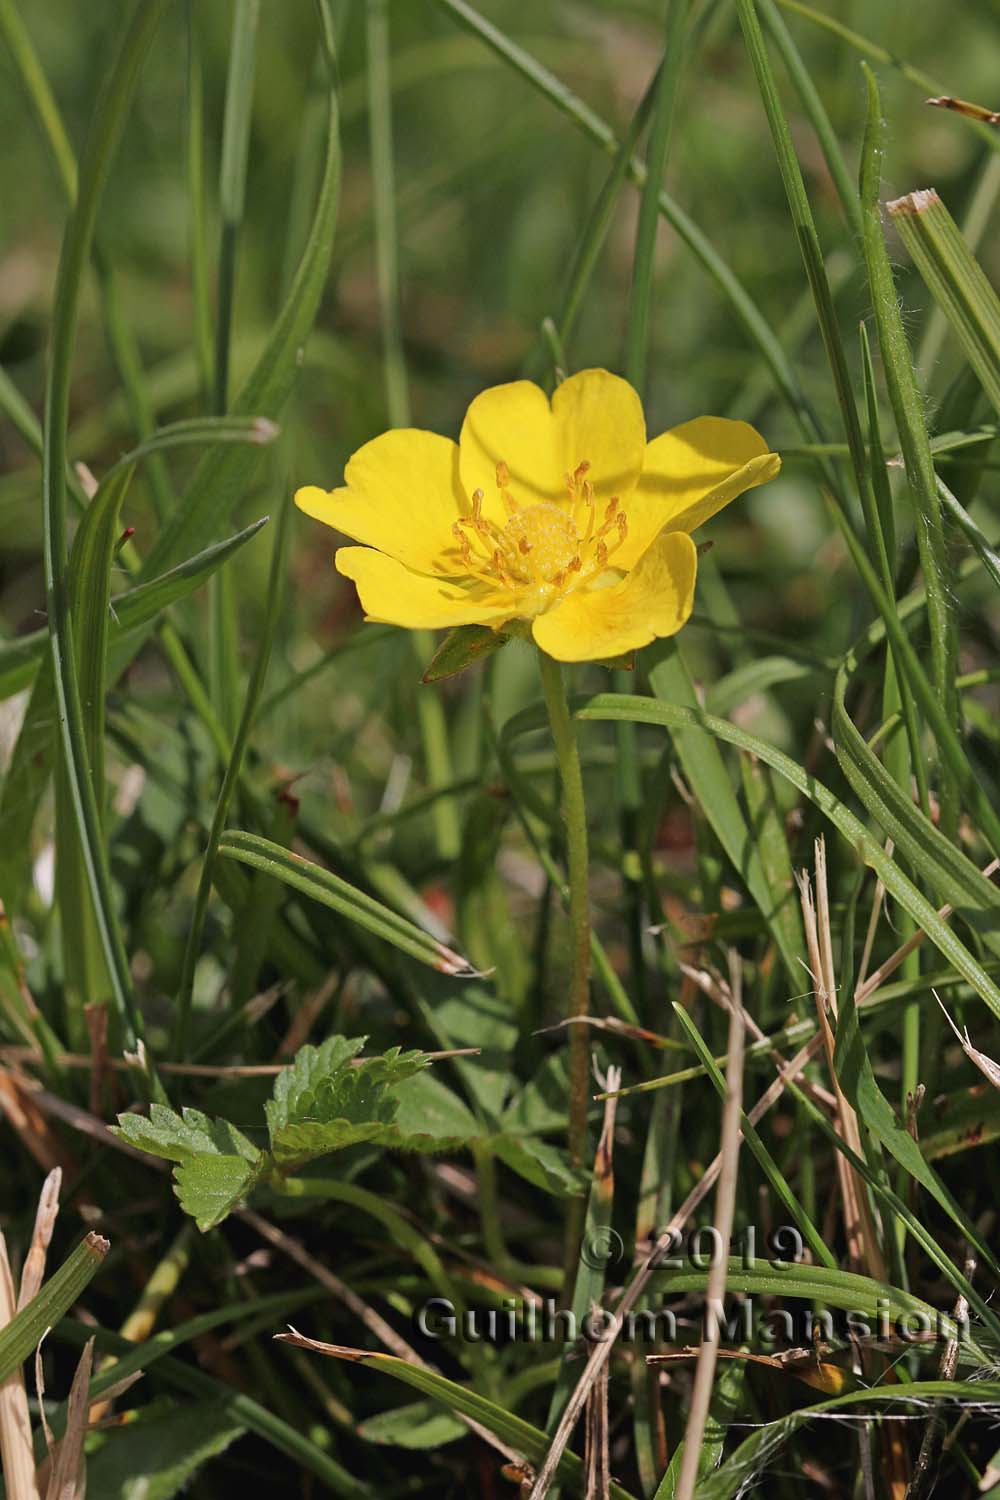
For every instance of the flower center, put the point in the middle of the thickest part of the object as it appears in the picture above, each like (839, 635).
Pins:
(542, 541)
(544, 550)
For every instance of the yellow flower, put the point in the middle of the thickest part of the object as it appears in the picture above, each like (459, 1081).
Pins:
(560, 514)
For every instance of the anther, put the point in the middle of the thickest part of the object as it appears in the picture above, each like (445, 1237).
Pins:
(524, 546)
(477, 504)
(602, 553)
(503, 475)
(580, 470)
(575, 565)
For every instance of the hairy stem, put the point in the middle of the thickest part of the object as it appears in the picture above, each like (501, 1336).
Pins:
(574, 814)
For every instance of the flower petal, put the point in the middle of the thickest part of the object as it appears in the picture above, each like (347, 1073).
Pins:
(600, 420)
(690, 473)
(594, 417)
(401, 495)
(653, 600)
(393, 595)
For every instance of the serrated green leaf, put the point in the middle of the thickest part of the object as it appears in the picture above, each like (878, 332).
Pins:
(342, 1107)
(209, 1187)
(294, 1086)
(462, 648)
(182, 1137)
(307, 1140)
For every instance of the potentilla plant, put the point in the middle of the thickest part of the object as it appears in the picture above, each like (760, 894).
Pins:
(555, 520)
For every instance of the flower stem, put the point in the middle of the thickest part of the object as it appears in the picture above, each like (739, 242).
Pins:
(574, 814)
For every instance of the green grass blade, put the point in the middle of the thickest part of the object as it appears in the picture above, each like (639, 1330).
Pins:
(709, 779)
(763, 1445)
(597, 130)
(195, 144)
(671, 716)
(234, 767)
(137, 607)
(224, 630)
(846, 1290)
(815, 109)
(181, 1376)
(232, 178)
(823, 1254)
(989, 557)
(664, 102)
(341, 897)
(26, 1329)
(955, 279)
(528, 1440)
(109, 120)
(430, 709)
(37, 88)
(223, 474)
(598, 223)
(805, 231)
(89, 582)
(767, 828)
(908, 409)
(397, 394)
(943, 727)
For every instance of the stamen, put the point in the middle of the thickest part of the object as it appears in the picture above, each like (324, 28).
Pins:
(602, 553)
(524, 546)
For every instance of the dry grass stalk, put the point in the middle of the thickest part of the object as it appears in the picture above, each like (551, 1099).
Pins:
(601, 1352)
(68, 1477)
(45, 1219)
(863, 1249)
(985, 1064)
(714, 986)
(878, 902)
(597, 1453)
(923, 1478)
(16, 1450)
(725, 1204)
